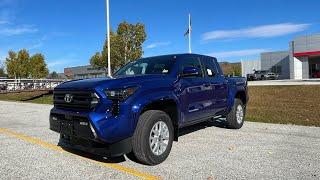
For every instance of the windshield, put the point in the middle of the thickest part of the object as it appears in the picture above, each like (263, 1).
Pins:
(146, 66)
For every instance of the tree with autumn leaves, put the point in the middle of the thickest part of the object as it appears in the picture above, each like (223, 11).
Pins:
(126, 46)
(21, 65)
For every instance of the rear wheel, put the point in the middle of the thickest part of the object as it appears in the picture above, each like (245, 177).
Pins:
(235, 117)
(153, 137)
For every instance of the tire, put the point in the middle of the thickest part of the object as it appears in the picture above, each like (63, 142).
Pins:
(141, 149)
(234, 121)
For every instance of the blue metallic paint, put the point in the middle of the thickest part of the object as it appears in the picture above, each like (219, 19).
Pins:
(196, 98)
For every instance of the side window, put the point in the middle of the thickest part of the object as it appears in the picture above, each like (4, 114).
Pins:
(190, 62)
(209, 67)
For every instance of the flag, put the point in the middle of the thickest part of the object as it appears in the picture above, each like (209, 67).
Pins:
(189, 27)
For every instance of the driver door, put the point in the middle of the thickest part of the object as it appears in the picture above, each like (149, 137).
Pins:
(194, 92)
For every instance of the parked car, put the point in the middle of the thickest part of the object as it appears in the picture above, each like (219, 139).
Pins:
(259, 75)
(140, 110)
(316, 74)
(3, 86)
(271, 76)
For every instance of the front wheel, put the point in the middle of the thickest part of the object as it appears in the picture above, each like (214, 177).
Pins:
(235, 117)
(153, 137)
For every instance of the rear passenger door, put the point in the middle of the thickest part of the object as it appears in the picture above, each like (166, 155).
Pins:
(218, 84)
(194, 92)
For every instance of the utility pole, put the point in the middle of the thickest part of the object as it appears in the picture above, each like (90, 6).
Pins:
(190, 34)
(108, 37)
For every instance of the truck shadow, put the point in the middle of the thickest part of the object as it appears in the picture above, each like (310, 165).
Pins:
(95, 157)
(221, 123)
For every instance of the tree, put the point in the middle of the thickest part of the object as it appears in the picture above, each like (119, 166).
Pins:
(2, 71)
(21, 65)
(18, 64)
(12, 64)
(126, 45)
(38, 67)
(54, 75)
(131, 37)
(231, 69)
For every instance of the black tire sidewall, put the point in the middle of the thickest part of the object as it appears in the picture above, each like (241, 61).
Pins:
(156, 117)
(232, 119)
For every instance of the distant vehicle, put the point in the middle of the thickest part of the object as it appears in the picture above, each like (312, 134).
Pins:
(316, 74)
(271, 76)
(257, 75)
(3, 87)
(140, 110)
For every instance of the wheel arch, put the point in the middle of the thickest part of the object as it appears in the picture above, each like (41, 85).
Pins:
(169, 106)
(242, 96)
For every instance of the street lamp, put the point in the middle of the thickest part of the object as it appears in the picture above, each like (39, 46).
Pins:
(108, 37)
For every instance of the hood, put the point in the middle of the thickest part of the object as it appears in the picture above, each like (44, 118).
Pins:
(116, 82)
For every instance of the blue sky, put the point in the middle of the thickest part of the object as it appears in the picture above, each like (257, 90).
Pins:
(68, 32)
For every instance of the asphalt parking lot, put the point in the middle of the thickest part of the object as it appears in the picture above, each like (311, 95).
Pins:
(207, 151)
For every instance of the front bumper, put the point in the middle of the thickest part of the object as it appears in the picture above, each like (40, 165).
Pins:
(79, 131)
(109, 150)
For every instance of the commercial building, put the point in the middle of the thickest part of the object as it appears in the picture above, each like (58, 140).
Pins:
(84, 72)
(301, 61)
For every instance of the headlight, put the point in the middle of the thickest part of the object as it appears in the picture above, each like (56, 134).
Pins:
(94, 99)
(120, 94)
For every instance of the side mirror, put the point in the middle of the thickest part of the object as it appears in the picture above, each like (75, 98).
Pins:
(190, 71)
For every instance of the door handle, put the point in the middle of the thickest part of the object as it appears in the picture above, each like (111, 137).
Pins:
(207, 86)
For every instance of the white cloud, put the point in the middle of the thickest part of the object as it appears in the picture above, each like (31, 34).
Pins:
(157, 44)
(10, 31)
(4, 22)
(39, 43)
(265, 31)
(56, 63)
(238, 53)
(69, 58)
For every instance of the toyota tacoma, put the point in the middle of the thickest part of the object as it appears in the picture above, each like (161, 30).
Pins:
(140, 110)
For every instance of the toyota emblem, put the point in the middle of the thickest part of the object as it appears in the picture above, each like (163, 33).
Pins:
(68, 98)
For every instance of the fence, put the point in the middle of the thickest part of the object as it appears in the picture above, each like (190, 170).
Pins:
(11, 85)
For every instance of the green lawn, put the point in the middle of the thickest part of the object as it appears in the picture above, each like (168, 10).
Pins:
(46, 99)
(25, 96)
(285, 104)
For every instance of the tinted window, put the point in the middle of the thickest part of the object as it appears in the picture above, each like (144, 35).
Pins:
(276, 69)
(209, 67)
(147, 66)
(190, 62)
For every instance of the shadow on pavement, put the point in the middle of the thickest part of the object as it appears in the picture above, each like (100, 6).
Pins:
(221, 123)
(95, 157)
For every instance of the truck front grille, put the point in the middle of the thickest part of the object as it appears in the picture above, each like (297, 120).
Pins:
(75, 100)
(115, 107)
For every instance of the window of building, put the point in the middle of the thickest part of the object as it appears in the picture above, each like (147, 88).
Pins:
(276, 69)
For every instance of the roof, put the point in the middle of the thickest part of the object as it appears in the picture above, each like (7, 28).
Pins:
(178, 55)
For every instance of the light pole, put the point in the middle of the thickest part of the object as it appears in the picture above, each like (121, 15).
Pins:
(108, 38)
(189, 27)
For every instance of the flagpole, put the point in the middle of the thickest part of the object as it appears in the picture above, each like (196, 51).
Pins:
(190, 34)
(108, 38)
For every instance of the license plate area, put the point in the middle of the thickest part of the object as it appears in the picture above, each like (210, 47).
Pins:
(66, 127)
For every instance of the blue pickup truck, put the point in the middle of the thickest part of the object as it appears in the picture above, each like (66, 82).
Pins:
(140, 110)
